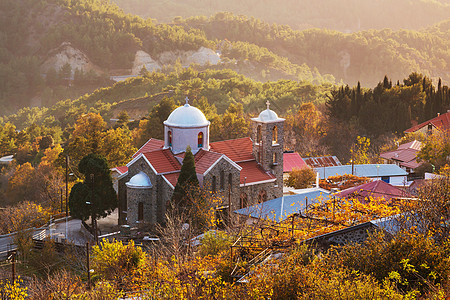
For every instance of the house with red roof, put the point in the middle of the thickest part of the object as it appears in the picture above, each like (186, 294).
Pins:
(375, 189)
(241, 171)
(440, 123)
(405, 156)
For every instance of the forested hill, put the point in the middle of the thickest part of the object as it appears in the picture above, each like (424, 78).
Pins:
(363, 56)
(341, 15)
(32, 31)
(100, 33)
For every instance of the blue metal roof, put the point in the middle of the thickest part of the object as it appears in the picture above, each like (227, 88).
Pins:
(371, 170)
(281, 208)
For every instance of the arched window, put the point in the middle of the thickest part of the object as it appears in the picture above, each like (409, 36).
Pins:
(200, 139)
(258, 134)
(230, 181)
(222, 180)
(140, 211)
(262, 197)
(213, 184)
(243, 200)
(169, 133)
(274, 135)
(274, 158)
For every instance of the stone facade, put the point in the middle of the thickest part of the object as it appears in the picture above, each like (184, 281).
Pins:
(256, 193)
(221, 175)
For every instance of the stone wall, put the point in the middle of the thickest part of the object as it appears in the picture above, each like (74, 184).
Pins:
(141, 195)
(134, 196)
(253, 191)
(227, 168)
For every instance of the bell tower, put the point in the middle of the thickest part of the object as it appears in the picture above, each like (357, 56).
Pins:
(267, 136)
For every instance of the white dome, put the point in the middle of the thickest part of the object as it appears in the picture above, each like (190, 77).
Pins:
(268, 115)
(186, 116)
(140, 180)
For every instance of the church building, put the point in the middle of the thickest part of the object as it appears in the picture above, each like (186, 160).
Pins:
(241, 171)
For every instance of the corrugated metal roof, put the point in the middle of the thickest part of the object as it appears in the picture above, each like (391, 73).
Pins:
(370, 170)
(280, 209)
(322, 161)
(293, 160)
(375, 189)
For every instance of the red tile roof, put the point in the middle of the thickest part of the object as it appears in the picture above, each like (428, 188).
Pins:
(172, 178)
(375, 189)
(120, 170)
(323, 161)
(293, 160)
(204, 160)
(441, 122)
(163, 161)
(150, 145)
(237, 150)
(252, 172)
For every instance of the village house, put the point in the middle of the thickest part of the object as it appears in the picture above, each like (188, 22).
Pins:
(241, 171)
(440, 123)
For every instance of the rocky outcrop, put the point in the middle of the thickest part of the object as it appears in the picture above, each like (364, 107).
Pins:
(66, 54)
(143, 59)
(202, 56)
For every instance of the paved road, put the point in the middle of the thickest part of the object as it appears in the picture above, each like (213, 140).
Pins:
(72, 228)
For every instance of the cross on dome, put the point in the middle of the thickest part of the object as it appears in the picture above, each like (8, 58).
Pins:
(268, 104)
(187, 100)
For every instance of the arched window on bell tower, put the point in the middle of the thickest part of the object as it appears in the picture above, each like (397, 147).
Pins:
(258, 134)
(200, 140)
(169, 133)
(274, 135)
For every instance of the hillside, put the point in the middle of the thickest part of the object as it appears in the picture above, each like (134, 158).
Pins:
(45, 42)
(54, 49)
(363, 56)
(341, 15)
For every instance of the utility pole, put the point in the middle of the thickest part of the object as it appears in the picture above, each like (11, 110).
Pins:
(67, 197)
(88, 266)
(13, 266)
(229, 204)
(67, 185)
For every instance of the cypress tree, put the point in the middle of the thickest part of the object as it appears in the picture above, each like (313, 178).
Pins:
(187, 178)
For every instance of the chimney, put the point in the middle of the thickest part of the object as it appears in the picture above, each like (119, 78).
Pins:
(317, 180)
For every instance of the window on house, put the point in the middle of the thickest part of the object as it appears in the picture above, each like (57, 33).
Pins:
(170, 138)
(274, 135)
(274, 158)
(222, 180)
(200, 140)
(258, 134)
(140, 211)
(213, 184)
(230, 181)
(243, 200)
